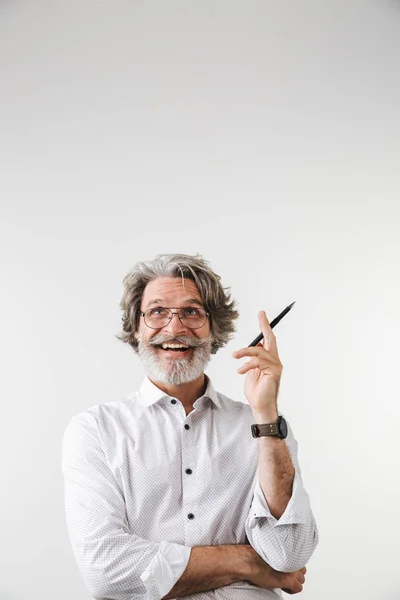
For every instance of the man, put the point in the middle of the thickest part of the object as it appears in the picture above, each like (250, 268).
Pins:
(167, 492)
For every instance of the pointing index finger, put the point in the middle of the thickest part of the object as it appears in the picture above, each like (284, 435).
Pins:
(264, 324)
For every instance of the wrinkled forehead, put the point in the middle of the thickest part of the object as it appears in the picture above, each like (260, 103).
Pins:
(171, 292)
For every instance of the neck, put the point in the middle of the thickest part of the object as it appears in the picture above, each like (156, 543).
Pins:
(187, 393)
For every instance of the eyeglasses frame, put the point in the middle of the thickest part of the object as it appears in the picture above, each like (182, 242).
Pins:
(141, 313)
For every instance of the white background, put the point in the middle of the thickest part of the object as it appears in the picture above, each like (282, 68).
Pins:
(263, 135)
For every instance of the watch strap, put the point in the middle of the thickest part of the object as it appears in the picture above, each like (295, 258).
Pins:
(265, 429)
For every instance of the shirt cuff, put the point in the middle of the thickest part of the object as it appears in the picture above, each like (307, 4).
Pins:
(164, 570)
(297, 511)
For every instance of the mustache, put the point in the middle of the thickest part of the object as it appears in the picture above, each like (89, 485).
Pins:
(186, 340)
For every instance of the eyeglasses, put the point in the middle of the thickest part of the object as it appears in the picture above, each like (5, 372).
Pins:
(191, 317)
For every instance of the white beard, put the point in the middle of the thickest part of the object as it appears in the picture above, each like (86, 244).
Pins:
(175, 371)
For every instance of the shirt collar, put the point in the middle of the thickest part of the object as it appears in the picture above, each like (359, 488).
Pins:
(150, 393)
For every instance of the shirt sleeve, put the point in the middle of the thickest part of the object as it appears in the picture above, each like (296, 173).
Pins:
(286, 544)
(115, 563)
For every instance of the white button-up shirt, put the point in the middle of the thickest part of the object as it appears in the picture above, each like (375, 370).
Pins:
(144, 483)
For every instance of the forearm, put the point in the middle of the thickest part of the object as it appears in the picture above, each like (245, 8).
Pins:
(275, 468)
(290, 543)
(212, 567)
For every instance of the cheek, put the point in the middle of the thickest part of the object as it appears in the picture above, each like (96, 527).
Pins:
(146, 333)
(141, 333)
(205, 331)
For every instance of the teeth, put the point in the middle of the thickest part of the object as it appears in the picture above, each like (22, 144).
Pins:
(165, 346)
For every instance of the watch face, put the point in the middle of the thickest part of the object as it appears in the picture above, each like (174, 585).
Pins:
(283, 430)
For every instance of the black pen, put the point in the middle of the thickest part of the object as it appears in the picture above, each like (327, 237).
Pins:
(272, 324)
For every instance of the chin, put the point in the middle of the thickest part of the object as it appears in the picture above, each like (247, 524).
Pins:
(178, 377)
(172, 371)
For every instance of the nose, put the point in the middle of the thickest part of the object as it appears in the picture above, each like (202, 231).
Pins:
(175, 327)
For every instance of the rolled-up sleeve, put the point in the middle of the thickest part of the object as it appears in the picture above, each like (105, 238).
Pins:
(287, 543)
(114, 563)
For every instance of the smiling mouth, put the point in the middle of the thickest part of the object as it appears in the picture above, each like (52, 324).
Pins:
(174, 348)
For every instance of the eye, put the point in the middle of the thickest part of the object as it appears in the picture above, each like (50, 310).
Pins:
(190, 312)
(159, 311)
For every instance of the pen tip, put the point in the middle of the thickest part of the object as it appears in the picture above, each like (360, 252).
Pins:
(290, 305)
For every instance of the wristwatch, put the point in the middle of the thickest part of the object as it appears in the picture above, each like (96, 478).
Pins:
(276, 429)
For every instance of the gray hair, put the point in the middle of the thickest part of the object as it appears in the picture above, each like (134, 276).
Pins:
(216, 299)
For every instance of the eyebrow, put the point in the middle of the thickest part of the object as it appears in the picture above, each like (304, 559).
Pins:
(159, 301)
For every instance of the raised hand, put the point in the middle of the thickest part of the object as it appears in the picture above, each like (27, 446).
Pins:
(263, 370)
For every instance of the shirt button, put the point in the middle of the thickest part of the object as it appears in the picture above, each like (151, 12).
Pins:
(173, 401)
(189, 471)
(190, 516)
(187, 426)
